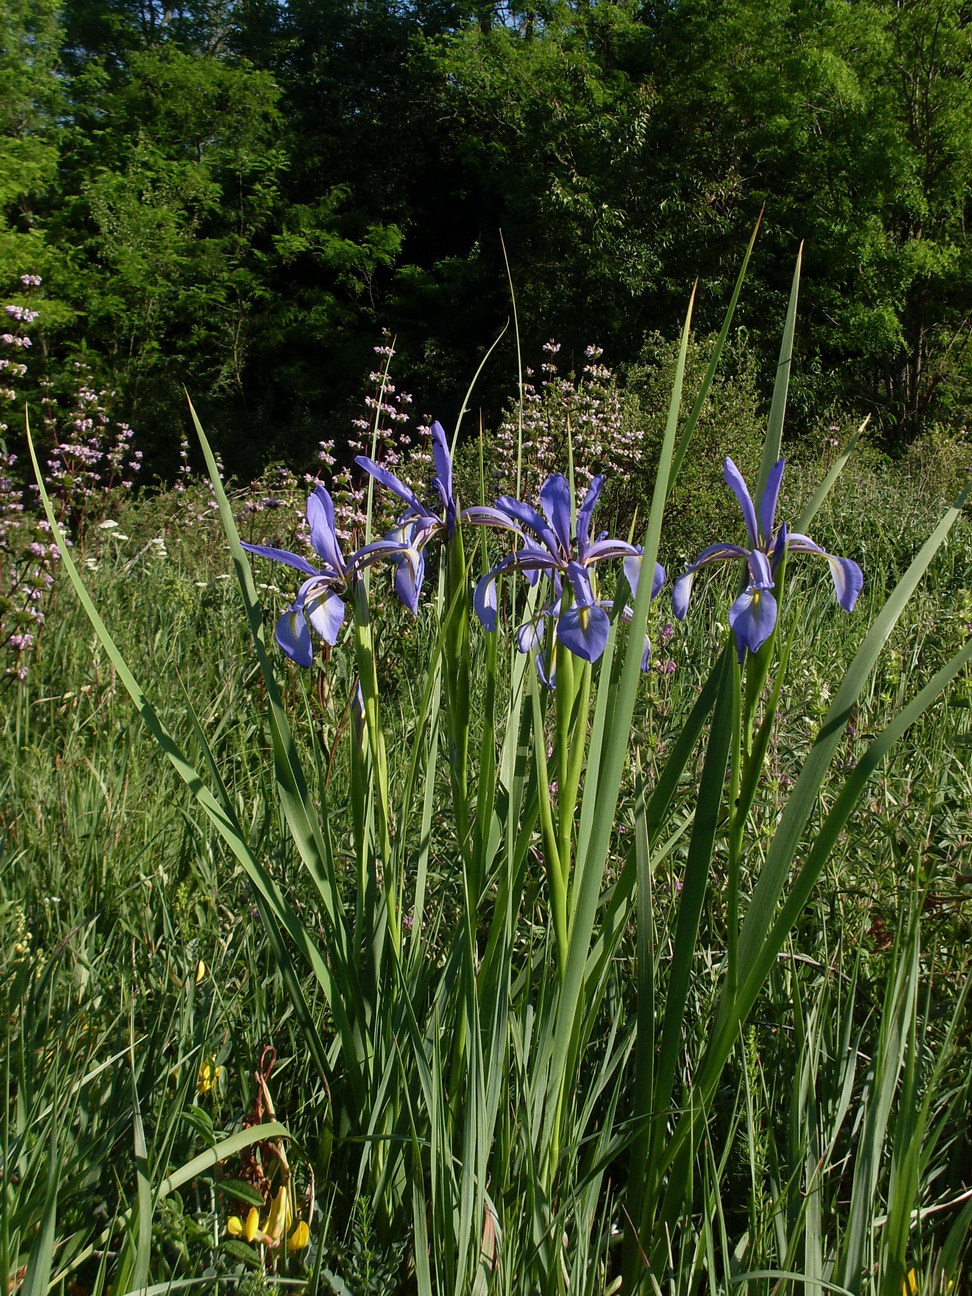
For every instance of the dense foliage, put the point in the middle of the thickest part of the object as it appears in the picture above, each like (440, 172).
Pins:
(242, 195)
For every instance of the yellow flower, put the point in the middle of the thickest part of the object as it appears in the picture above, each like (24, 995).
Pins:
(234, 1226)
(300, 1237)
(909, 1286)
(280, 1217)
(209, 1074)
(252, 1226)
(200, 971)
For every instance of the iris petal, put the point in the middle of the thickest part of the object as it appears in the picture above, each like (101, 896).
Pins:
(294, 637)
(767, 504)
(632, 573)
(281, 555)
(325, 612)
(320, 518)
(752, 618)
(528, 517)
(583, 630)
(555, 502)
(609, 549)
(584, 515)
(734, 480)
(681, 593)
(443, 464)
(848, 577)
(392, 482)
(408, 578)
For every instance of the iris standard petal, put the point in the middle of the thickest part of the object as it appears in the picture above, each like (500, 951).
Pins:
(752, 618)
(583, 630)
(734, 480)
(528, 517)
(443, 468)
(555, 501)
(392, 482)
(767, 503)
(320, 518)
(281, 555)
(584, 515)
(294, 637)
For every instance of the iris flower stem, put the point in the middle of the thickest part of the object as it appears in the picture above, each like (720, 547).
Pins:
(736, 826)
(556, 882)
(368, 676)
(573, 740)
(455, 638)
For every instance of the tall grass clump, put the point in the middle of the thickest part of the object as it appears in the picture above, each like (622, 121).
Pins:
(570, 1009)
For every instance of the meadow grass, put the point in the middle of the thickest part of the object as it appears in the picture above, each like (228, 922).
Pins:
(499, 991)
(123, 892)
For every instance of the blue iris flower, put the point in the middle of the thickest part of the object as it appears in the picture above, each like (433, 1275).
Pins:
(318, 604)
(406, 543)
(550, 547)
(753, 614)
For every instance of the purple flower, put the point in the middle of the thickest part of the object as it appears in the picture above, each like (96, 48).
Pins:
(753, 614)
(549, 548)
(406, 543)
(318, 604)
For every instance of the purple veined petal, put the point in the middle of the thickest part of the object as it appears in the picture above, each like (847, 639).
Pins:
(734, 480)
(556, 504)
(294, 637)
(583, 630)
(392, 482)
(320, 518)
(483, 515)
(443, 465)
(767, 503)
(325, 613)
(409, 575)
(848, 577)
(632, 574)
(603, 548)
(411, 535)
(281, 555)
(646, 655)
(528, 517)
(584, 515)
(752, 618)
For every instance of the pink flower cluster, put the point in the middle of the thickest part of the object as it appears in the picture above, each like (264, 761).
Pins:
(587, 410)
(90, 454)
(386, 438)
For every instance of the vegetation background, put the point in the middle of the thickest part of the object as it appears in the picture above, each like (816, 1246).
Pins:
(240, 195)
